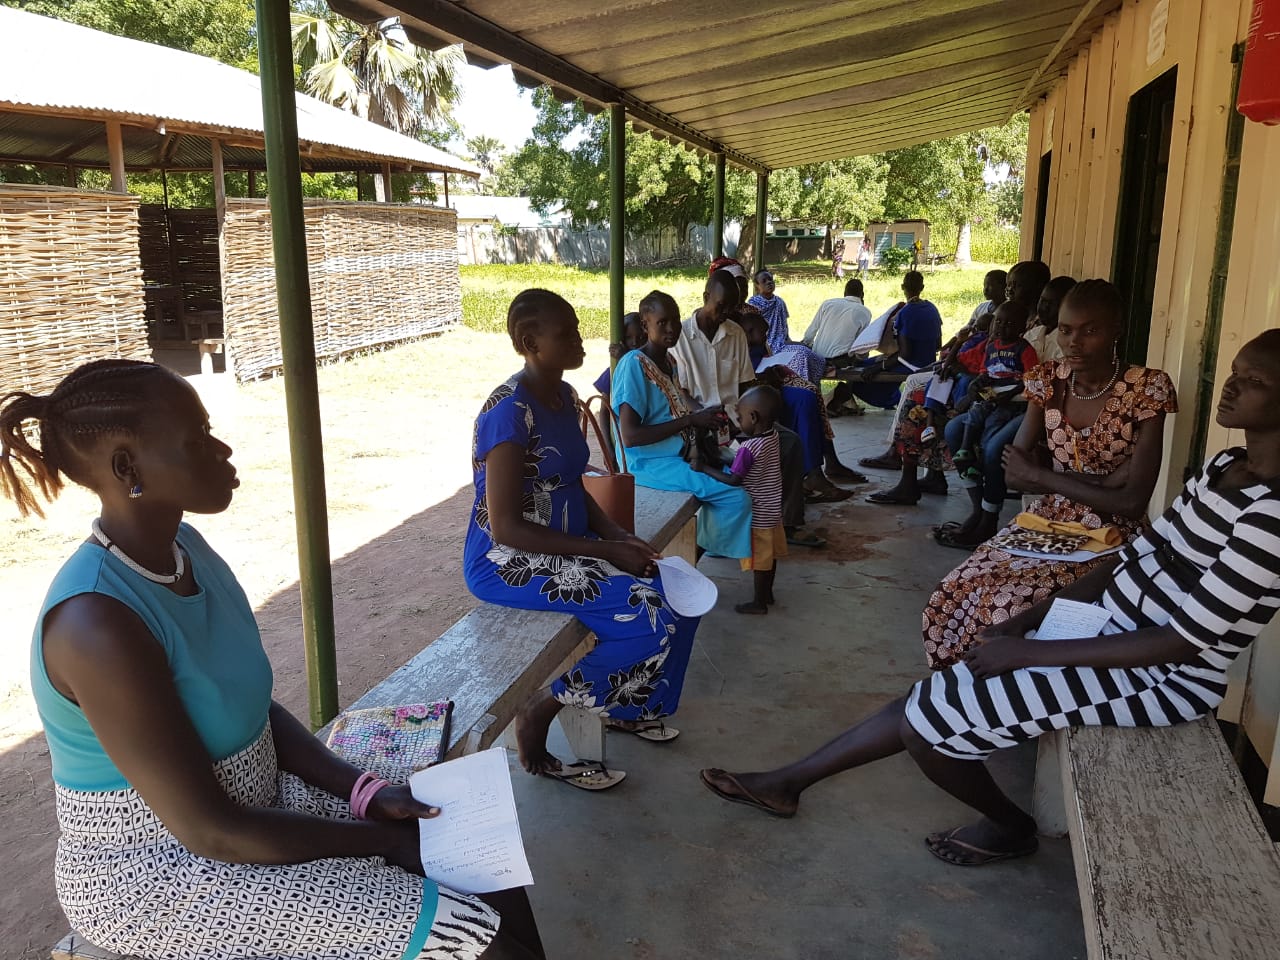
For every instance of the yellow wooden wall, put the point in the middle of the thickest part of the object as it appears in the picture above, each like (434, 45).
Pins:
(1082, 120)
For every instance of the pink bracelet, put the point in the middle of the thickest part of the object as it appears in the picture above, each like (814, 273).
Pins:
(366, 786)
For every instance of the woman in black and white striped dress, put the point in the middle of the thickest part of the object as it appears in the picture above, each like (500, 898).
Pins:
(1185, 599)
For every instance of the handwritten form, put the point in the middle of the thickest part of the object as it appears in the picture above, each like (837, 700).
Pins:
(1072, 620)
(1069, 620)
(474, 846)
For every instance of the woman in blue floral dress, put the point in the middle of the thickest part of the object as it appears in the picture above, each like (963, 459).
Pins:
(537, 541)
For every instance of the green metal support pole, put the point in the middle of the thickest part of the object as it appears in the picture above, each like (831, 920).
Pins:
(617, 218)
(762, 214)
(298, 347)
(717, 210)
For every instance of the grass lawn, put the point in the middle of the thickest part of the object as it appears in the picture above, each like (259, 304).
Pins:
(488, 289)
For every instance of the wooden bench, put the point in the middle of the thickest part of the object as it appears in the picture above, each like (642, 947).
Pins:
(208, 346)
(490, 661)
(1172, 859)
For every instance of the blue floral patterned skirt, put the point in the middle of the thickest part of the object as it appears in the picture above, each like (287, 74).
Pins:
(636, 671)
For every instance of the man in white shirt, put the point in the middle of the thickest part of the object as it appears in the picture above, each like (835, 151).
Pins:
(838, 322)
(712, 357)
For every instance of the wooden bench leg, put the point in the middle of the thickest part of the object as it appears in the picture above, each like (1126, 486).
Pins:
(1048, 800)
(585, 732)
(685, 543)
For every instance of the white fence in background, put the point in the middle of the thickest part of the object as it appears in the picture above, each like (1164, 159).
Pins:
(481, 243)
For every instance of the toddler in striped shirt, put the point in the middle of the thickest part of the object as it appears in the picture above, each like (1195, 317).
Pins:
(757, 466)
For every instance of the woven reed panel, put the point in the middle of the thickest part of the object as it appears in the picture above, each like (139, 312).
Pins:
(380, 273)
(194, 235)
(153, 243)
(70, 283)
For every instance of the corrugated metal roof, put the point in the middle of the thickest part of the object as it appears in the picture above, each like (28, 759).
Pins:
(775, 84)
(53, 74)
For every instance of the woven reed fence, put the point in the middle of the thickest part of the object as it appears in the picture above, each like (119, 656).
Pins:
(70, 283)
(380, 273)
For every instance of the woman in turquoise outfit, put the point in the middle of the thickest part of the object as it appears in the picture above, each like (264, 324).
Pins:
(197, 817)
(657, 420)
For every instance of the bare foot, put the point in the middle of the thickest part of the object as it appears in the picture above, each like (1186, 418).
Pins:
(531, 737)
(755, 608)
(752, 789)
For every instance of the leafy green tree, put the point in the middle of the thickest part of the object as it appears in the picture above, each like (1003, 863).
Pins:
(221, 29)
(946, 180)
(564, 165)
(374, 71)
(838, 193)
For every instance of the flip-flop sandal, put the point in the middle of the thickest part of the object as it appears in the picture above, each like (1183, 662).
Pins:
(655, 731)
(940, 844)
(848, 476)
(830, 495)
(881, 463)
(885, 498)
(805, 539)
(747, 797)
(587, 775)
(953, 526)
(951, 538)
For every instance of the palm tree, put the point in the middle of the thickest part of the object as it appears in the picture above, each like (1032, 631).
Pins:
(373, 71)
(486, 151)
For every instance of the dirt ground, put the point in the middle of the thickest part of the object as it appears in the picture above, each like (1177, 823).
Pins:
(397, 434)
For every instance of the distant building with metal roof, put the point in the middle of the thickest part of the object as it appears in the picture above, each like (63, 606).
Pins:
(60, 82)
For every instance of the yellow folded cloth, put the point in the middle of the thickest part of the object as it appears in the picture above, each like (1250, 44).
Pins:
(1103, 538)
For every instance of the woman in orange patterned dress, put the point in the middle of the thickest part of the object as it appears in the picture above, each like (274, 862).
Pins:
(1103, 423)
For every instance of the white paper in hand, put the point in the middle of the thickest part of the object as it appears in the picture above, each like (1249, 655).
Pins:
(1072, 620)
(474, 846)
(688, 592)
(1069, 620)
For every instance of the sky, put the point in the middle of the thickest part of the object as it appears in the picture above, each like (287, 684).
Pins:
(493, 105)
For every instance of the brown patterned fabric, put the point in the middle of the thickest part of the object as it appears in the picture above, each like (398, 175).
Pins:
(991, 586)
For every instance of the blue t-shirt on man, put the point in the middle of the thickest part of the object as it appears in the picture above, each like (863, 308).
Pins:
(921, 324)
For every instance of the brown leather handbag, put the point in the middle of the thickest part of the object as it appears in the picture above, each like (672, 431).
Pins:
(613, 489)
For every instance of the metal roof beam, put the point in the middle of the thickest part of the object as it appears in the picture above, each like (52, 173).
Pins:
(434, 23)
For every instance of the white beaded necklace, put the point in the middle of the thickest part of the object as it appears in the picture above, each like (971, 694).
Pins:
(139, 569)
(1115, 375)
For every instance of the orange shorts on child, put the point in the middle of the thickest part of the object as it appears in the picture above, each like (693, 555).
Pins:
(767, 544)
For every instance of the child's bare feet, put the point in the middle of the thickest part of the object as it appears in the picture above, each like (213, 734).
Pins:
(755, 608)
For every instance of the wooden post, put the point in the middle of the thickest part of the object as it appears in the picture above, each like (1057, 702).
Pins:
(298, 346)
(115, 151)
(73, 179)
(386, 183)
(617, 219)
(446, 188)
(219, 213)
(717, 210)
(762, 213)
(253, 183)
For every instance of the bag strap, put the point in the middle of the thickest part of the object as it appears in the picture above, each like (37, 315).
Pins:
(610, 461)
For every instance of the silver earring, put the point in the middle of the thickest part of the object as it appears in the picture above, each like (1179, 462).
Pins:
(135, 491)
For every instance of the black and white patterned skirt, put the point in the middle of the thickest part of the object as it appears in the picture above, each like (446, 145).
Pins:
(128, 885)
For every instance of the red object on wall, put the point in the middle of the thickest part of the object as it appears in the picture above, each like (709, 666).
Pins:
(1259, 98)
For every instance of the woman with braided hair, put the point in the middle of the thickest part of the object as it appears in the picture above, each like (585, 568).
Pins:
(198, 818)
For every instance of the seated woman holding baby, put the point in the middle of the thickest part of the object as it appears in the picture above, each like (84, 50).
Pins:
(1103, 423)
(658, 423)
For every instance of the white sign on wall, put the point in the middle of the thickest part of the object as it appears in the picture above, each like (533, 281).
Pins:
(1156, 30)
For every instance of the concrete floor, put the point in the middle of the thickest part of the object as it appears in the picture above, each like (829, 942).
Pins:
(660, 869)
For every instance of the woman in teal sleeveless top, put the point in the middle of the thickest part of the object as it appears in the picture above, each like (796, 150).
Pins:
(197, 817)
